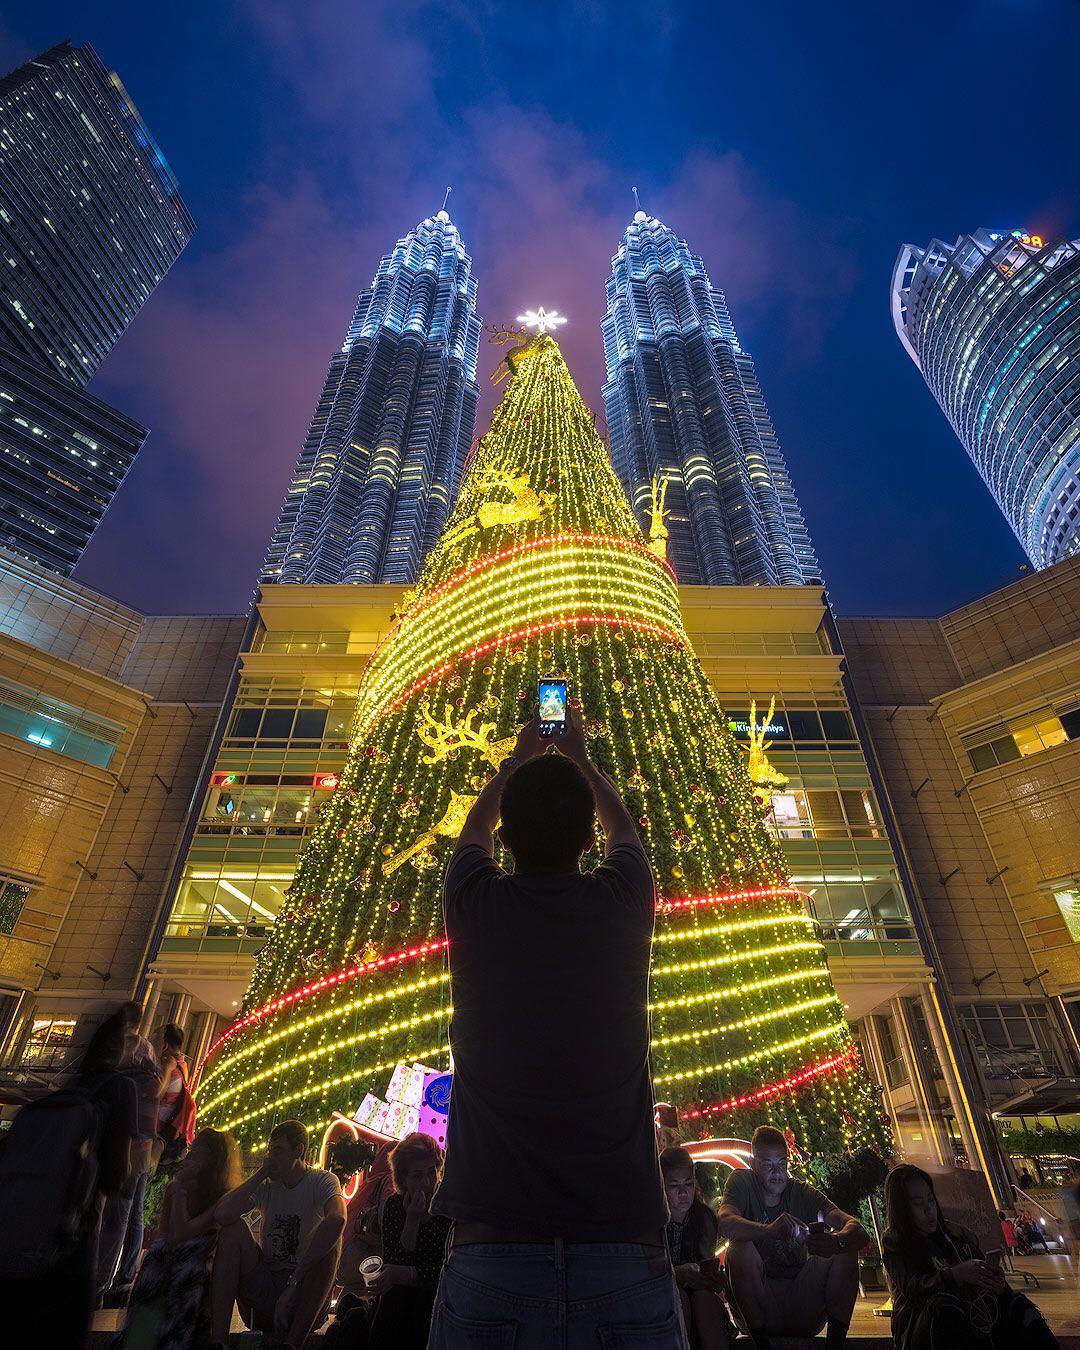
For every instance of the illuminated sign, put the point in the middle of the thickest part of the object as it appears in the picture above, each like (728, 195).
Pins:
(222, 779)
(325, 782)
(770, 729)
(1035, 240)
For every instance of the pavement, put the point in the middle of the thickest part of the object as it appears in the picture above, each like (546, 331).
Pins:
(1052, 1283)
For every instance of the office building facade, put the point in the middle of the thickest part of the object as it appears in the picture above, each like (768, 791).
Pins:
(975, 721)
(63, 454)
(91, 216)
(106, 715)
(90, 221)
(686, 415)
(993, 323)
(387, 445)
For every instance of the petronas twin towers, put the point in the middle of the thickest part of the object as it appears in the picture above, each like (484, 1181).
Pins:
(380, 467)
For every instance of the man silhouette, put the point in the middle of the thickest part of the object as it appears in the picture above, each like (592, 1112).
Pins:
(552, 1174)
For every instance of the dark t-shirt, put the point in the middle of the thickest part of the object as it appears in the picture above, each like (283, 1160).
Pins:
(782, 1260)
(551, 1116)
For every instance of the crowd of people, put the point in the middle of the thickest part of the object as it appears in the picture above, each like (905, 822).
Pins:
(536, 1228)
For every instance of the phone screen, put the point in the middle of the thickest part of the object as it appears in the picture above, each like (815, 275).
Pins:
(552, 705)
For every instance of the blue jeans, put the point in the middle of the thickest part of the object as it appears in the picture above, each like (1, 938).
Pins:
(121, 1236)
(556, 1296)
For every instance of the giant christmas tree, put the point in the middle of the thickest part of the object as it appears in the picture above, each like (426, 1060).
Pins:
(542, 570)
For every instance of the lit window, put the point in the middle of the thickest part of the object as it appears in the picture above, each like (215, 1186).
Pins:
(1067, 898)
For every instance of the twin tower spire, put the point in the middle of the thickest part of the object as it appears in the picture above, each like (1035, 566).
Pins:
(380, 467)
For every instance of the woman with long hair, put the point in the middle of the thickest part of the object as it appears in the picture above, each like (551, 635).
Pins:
(169, 1308)
(946, 1291)
(692, 1238)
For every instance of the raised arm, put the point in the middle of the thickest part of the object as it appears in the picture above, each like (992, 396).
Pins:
(177, 1224)
(615, 820)
(235, 1204)
(479, 827)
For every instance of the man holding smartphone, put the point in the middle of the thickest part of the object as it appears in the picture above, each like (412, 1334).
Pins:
(552, 1175)
(793, 1255)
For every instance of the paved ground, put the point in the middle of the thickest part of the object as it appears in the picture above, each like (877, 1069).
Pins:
(1057, 1295)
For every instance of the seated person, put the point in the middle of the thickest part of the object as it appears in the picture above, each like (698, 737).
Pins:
(787, 1279)
(945, 1292)
(414, 1247)
(692, 1238)
(282, 1285)
(170, 1301)
(363, 1233)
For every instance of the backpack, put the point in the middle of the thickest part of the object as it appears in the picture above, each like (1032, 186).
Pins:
(48, 1181)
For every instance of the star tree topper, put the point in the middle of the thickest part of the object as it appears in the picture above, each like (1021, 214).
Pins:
(541, 319)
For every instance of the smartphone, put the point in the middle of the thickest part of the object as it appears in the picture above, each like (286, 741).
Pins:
(551, 701)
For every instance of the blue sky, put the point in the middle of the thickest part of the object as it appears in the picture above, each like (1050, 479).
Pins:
(795, 147)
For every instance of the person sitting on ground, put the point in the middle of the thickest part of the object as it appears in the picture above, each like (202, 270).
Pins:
(121, 1240)
(552, 1174)
(414, 1246)
(56, 1307)
(787, 1276)
(170, 1303)
(282, 1285)
(945, 1291)
(693, 1236)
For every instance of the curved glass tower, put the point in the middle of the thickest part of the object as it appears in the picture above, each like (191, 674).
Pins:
(384, 455)
(683, 404)
(993, 323)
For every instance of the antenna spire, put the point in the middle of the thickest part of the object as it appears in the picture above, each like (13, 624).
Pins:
(446, 198)
(637, 199)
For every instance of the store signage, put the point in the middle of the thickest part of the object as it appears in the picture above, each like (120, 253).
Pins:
(1035, 240)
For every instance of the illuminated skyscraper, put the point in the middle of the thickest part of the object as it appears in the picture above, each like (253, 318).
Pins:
(90, 221)
(993, 323)
(90, 214)
(683, 403)
(384, 455)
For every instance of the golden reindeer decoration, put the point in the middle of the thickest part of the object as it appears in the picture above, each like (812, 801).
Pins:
(450, 826)
(443, 737)
(763, 775)
(526, 504)
(658, 531)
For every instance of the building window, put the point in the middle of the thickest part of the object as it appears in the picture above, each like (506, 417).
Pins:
(12, 898)
(895, 1072)
(49, 1042)
(1015, 1041)
(823, 813)
(233, 904)
(1026, 736)
(1067, 898)
(48, 724)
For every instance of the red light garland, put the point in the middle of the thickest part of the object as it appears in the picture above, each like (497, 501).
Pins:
(533, 630)
(548, 541)
(350, 973)
(327, 982)
(773, 1089)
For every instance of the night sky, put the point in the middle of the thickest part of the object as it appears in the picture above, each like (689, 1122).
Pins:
(795, 146)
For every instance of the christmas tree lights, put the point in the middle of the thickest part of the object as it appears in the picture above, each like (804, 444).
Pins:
(542, 570)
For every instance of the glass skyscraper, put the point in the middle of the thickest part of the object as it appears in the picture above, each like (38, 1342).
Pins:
(90, 221)
(386, 448)
(993, 323)
(683, 404)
